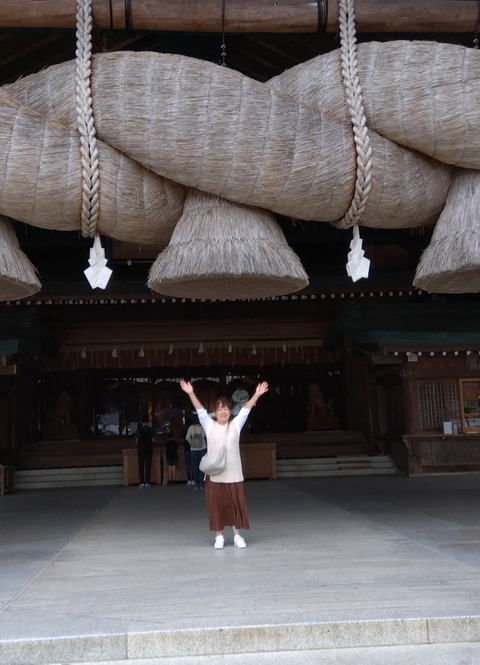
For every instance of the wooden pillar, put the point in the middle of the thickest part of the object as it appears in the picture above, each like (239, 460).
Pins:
(287, 16)
(25, 404)
(7, 420)
(84, 403)
(412, 414)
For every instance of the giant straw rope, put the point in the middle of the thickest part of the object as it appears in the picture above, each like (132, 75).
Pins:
(168, 123)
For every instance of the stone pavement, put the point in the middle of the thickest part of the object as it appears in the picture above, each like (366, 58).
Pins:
(338, 570)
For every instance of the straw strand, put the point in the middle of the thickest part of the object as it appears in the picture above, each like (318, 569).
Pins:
(353, 91)
(86, 127)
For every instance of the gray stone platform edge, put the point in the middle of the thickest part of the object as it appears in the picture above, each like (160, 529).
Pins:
(243, 639)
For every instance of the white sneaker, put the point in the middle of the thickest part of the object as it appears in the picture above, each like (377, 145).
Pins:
(219, 543)
(239, 542)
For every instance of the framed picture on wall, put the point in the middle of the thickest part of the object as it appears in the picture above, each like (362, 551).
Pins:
(470, 404)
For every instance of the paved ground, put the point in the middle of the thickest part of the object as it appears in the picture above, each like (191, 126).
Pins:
(337, 570)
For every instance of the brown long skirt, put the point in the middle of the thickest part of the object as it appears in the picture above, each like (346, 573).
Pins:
(226, 505)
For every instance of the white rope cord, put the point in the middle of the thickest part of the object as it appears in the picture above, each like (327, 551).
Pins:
(86, 127)
(353, 91)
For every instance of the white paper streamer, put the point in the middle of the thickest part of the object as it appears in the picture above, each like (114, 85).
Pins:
(98, 274)
(357, 265)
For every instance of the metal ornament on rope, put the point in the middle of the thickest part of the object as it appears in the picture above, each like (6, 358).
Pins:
(475, 39)
(223, 55)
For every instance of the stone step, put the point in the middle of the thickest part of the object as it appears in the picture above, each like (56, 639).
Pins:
(336, 472)
(459, 653)
(331, 643)
(332, 466)
(286, 468)
(68, 477)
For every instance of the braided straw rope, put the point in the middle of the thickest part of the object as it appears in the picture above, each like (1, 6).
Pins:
(353, 91)
(173, 122)
(204, 126)
(41, 179)
(86, 127)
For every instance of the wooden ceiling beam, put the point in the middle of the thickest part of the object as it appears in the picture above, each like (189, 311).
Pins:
(287, 16)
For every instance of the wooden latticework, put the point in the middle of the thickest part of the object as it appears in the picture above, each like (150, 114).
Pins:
(439, 402)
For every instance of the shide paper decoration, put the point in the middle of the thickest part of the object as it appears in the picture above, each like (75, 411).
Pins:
(98, 274)
(357, 265)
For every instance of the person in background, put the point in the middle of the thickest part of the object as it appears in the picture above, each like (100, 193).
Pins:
(171, 453)
(187, 456)
(225, 495)
(144, 438)
(198, 447)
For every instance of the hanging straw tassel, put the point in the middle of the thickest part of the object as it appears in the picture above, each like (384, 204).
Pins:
(451, 262)
(223, 250)
(18, 278)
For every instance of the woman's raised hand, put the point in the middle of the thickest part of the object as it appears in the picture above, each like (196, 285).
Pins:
(261, 388)
(186, 386)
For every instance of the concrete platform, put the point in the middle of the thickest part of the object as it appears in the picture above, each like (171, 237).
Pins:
(373, 565)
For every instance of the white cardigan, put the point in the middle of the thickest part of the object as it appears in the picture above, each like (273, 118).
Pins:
(216, 438)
